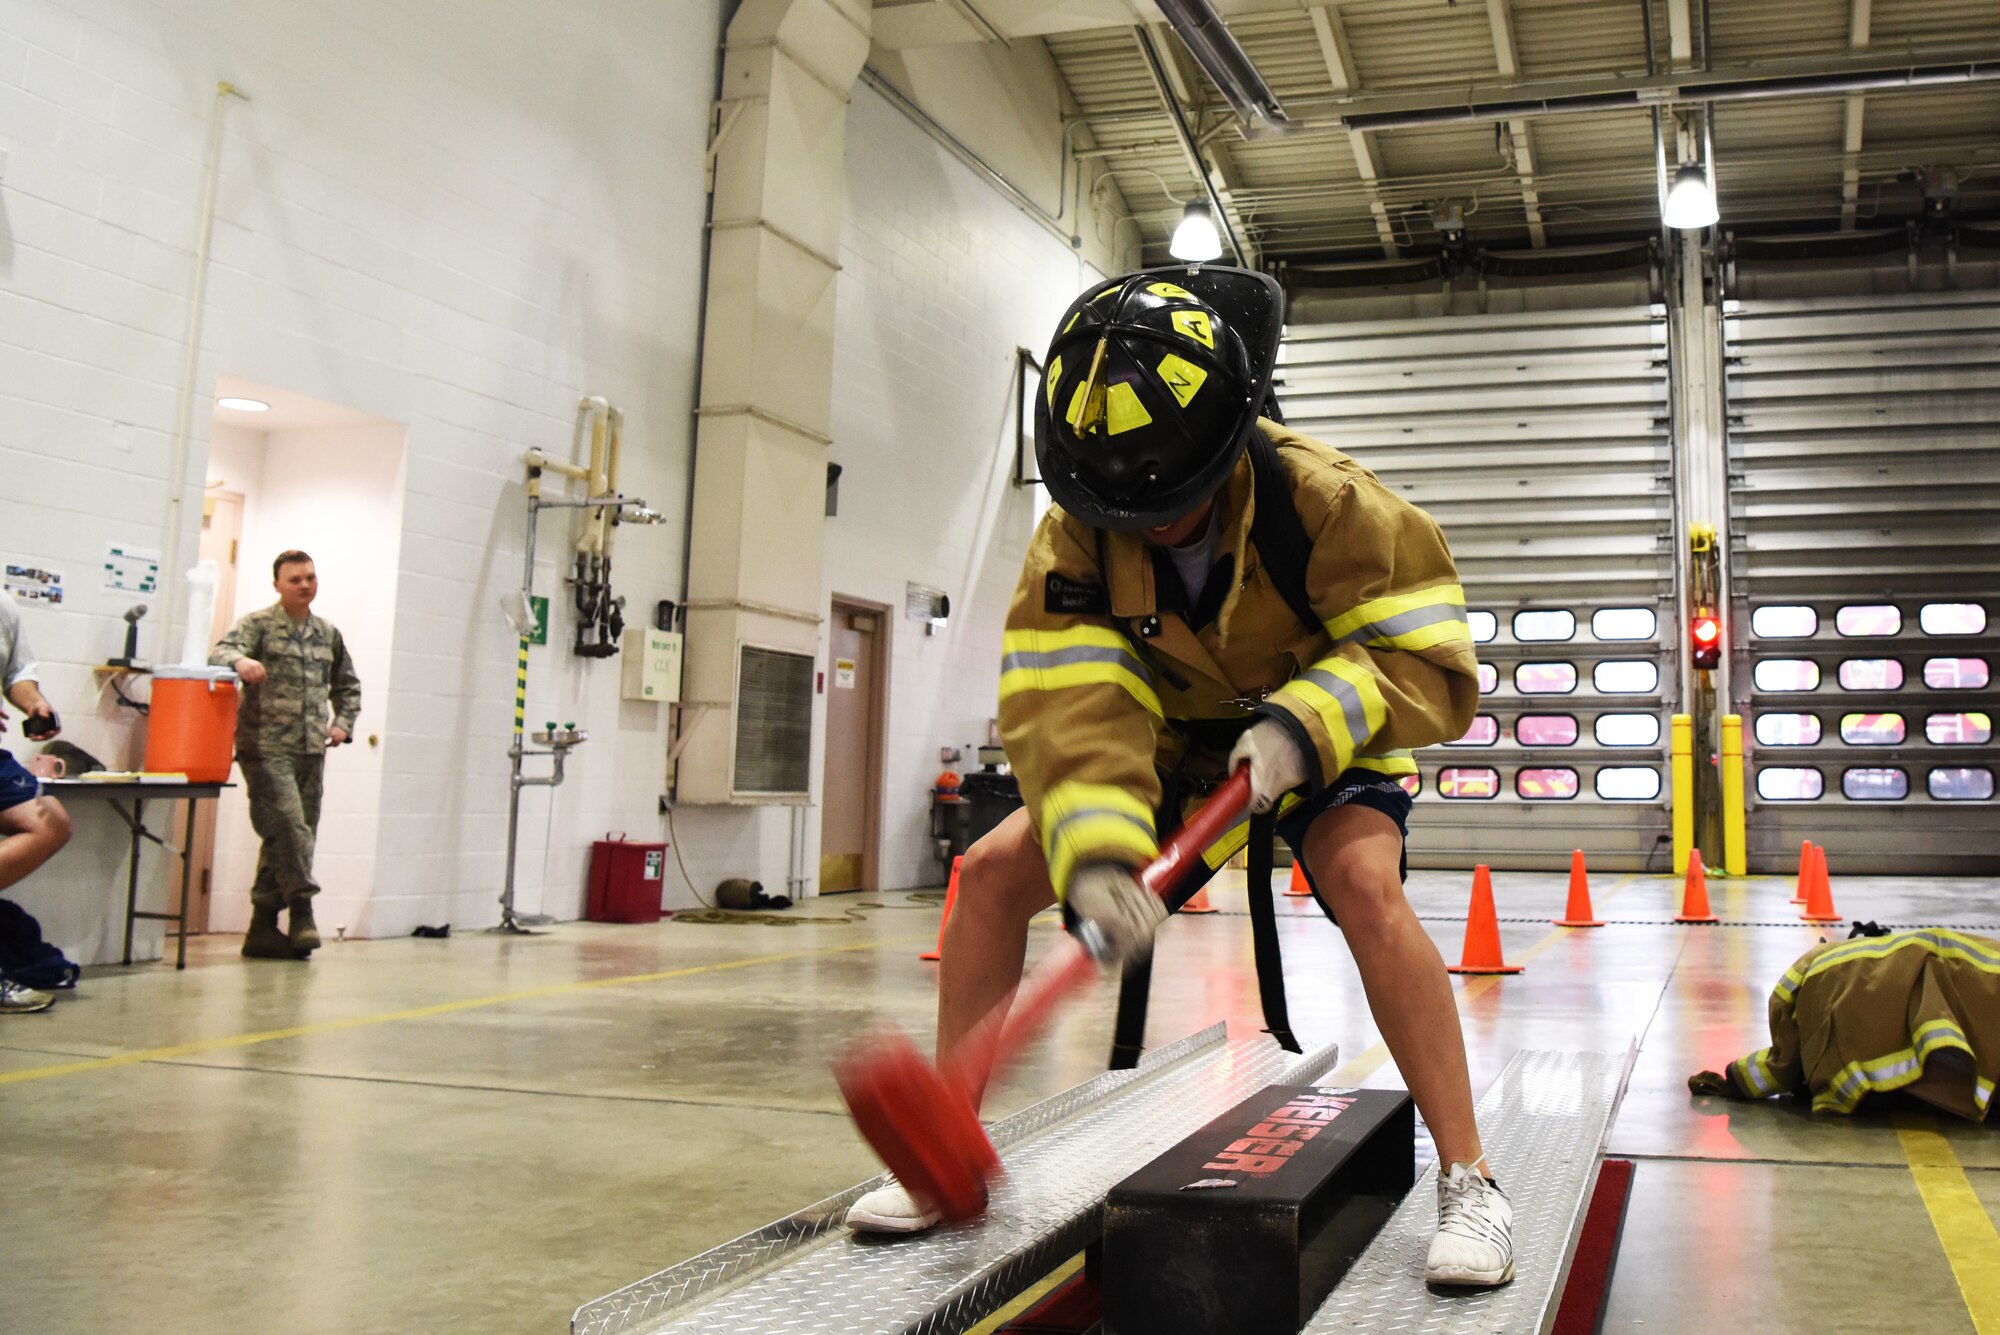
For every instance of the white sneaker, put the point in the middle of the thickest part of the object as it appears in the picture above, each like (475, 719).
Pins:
(1475, 1237)
(18, 1000)
(889, 1209)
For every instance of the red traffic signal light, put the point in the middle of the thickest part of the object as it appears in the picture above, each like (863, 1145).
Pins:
(1705, 640)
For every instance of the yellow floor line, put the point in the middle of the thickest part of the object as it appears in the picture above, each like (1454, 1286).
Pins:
(1357, 1069)
(199, 1046)
(1971, 1243)
(1032, 1295)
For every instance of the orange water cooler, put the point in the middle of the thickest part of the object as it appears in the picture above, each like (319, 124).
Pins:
(191, 727)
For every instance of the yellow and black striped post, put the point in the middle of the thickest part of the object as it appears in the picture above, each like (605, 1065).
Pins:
(520, 690)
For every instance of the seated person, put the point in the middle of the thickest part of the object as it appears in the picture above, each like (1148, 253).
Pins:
(33, 826)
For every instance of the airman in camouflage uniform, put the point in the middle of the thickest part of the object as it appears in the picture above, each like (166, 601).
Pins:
(296, 674)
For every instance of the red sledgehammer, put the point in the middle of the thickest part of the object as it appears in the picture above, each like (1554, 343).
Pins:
(920, 1119)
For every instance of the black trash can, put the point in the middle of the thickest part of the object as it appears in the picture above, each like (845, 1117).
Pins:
(991, 797)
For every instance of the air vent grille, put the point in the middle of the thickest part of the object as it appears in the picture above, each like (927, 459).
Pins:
(773, 722)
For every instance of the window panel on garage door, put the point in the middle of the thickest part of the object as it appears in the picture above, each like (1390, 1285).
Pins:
(1865, 514)
(1539, 443)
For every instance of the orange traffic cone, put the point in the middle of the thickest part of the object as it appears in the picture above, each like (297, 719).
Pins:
(1298, 889)
(1482, 931)
(1694, 896)
(1578, 913)
(1799, 882)
(950, 898)
(1199, 903)
(1819, 892)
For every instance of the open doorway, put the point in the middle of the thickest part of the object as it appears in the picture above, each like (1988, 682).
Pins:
(850, 837)
(303, 473)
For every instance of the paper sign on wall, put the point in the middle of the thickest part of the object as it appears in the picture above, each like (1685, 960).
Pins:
(33, 584)
(131, 569)
(843, 673)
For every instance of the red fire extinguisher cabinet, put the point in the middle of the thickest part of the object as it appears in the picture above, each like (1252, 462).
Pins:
(626, 881)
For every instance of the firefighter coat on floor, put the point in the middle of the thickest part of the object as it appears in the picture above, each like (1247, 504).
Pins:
(1097, 671)
(1912, 1011)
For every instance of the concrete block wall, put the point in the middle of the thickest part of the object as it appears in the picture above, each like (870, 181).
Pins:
(436, 214)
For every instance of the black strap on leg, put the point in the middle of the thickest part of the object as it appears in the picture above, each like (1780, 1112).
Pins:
(1264, 934)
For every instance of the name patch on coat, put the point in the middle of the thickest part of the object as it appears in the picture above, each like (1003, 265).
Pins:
(1074, 599)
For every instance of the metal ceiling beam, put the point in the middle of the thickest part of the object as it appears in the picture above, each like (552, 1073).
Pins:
(1486, 103)
(1211, 153)
(1500, 18)
(1225, 217)
(1340, 69)
(1680, 34)
(1860, 16)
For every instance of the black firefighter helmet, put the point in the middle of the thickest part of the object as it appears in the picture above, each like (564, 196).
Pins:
(1151, 386)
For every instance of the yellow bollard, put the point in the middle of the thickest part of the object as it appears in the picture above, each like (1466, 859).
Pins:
(1683, 805)
(1735, 856)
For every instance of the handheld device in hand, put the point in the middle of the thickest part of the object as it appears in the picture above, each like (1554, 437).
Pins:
(38, 726)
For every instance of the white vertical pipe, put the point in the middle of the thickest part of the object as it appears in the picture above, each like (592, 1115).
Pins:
(170, 572)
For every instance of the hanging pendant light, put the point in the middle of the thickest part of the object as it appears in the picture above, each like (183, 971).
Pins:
(1690, 203)
(1196, 239)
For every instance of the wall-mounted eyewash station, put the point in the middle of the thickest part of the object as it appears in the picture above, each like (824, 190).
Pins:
(600, 613)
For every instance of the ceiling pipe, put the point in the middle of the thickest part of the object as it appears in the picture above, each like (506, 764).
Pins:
(1224, 60)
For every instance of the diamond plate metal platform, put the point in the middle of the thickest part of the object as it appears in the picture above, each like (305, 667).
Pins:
(807, 1274)
(1543, 1123)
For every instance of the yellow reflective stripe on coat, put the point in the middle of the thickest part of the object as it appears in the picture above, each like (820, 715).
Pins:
(1396, 763)
(1346, 700)
(1053, 660)
(1754, 1074)
(1943, 944)
(1094, 822)
(1232, 840)
(1409, 621)
(1897, 1069)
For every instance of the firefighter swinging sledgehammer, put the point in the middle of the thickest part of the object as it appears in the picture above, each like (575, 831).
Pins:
(1212, 590)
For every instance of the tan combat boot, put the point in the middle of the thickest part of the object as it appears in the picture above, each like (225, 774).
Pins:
(304, 934)
(264, 941)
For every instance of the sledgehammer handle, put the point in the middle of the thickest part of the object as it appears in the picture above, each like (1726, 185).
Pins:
(1222, 810)
(1069, 966)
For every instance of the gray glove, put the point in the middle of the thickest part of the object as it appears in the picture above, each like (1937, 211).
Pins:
(1276, 767)
(1115, 915)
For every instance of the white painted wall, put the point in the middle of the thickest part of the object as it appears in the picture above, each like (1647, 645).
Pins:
(1005, 105)
(337, 493)
(436, 215)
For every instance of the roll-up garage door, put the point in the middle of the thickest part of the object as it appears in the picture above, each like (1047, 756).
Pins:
(1540, 443)
(1865, 513)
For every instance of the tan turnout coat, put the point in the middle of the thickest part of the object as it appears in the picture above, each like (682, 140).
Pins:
(1916, 1011)
(1085, 715)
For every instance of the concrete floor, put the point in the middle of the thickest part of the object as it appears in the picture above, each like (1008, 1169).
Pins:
(484, 1132)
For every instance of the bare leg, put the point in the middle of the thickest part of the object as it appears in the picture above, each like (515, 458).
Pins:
(34, 832)
(1003, 882)
(1353, 854)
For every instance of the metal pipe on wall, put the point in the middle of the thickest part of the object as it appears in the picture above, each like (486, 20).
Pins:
(170, 574)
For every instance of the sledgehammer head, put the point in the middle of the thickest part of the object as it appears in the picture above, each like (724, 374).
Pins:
(921, 1125)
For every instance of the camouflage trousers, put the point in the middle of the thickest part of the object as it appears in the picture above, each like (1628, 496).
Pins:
(284, 796)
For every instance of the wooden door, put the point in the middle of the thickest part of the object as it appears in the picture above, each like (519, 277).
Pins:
(850, 812)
